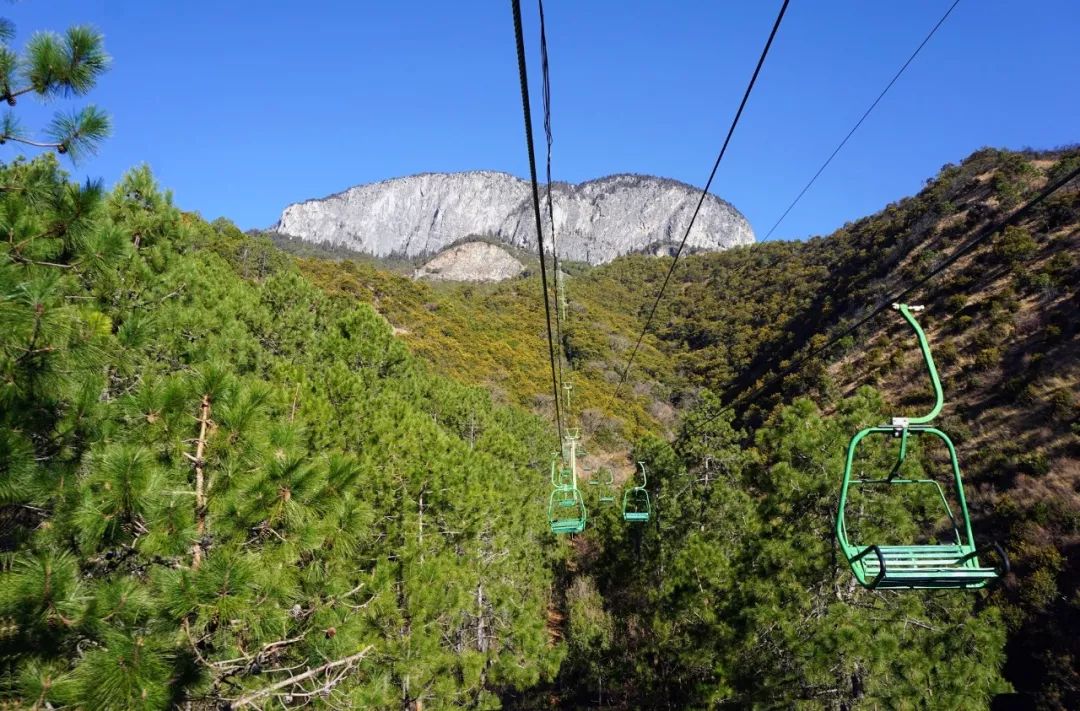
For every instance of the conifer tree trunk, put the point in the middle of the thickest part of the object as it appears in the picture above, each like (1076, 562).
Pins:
(420, 527)
(200, 491)
(408, 703)
(481, 637)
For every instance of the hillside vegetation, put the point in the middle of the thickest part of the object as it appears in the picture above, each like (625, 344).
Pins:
(215, 477)
(234, 478)
(1003, 325)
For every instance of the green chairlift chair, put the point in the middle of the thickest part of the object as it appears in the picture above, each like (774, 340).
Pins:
(635, 504)
(566, 506)
(952, 565)
(566, 511)
(607, 490)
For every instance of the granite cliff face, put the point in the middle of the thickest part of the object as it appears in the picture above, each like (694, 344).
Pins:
(595, 221)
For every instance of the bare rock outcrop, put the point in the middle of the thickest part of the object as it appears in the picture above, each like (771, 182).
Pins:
(471, 261)
(595, 221)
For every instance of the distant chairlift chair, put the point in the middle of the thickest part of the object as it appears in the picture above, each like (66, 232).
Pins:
(954, 565)
(607, 490)
(635, 504)
(566, 506)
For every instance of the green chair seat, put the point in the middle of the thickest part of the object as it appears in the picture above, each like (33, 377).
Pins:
(636, 516)
(560, 519)
(568, 525)
(929, 566)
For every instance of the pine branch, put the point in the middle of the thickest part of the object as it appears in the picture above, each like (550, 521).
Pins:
(345, 662)
(76, 134)
(194, 644)
(266, 649)
(10, 95)
(36, 144)
(16, 257)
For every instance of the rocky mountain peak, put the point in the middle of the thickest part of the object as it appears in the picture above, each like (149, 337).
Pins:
(595, 221)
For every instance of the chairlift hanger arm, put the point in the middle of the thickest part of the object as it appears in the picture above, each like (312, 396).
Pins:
(939, 396)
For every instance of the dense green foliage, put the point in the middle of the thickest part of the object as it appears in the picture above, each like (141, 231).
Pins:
(339, 499)
(736, 597)
(1002, 321)
(220, 467)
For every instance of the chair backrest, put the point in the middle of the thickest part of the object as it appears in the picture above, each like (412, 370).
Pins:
(636, 504)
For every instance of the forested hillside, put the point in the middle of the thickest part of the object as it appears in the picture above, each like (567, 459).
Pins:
(214, 478)
(748, 497)
(228, 483)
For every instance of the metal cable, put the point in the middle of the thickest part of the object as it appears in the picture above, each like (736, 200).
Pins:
(704, 193)
(559, 281)
(860, 121)
(982, 236)
(524, 78)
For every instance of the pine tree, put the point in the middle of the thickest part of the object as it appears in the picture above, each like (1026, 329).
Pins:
(52, 65)
(355, 515)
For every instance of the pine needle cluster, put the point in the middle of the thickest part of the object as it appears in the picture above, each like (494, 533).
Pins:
(55, 66)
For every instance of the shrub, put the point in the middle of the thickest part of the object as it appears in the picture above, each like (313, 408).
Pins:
(955, 303)
(1039, 590)
(1015, 245)
(1063, 403)
(983, 339)
(1034, 463)
(947, 353)
(987, 358)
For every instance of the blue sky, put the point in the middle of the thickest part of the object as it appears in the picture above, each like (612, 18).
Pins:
(243, 107)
